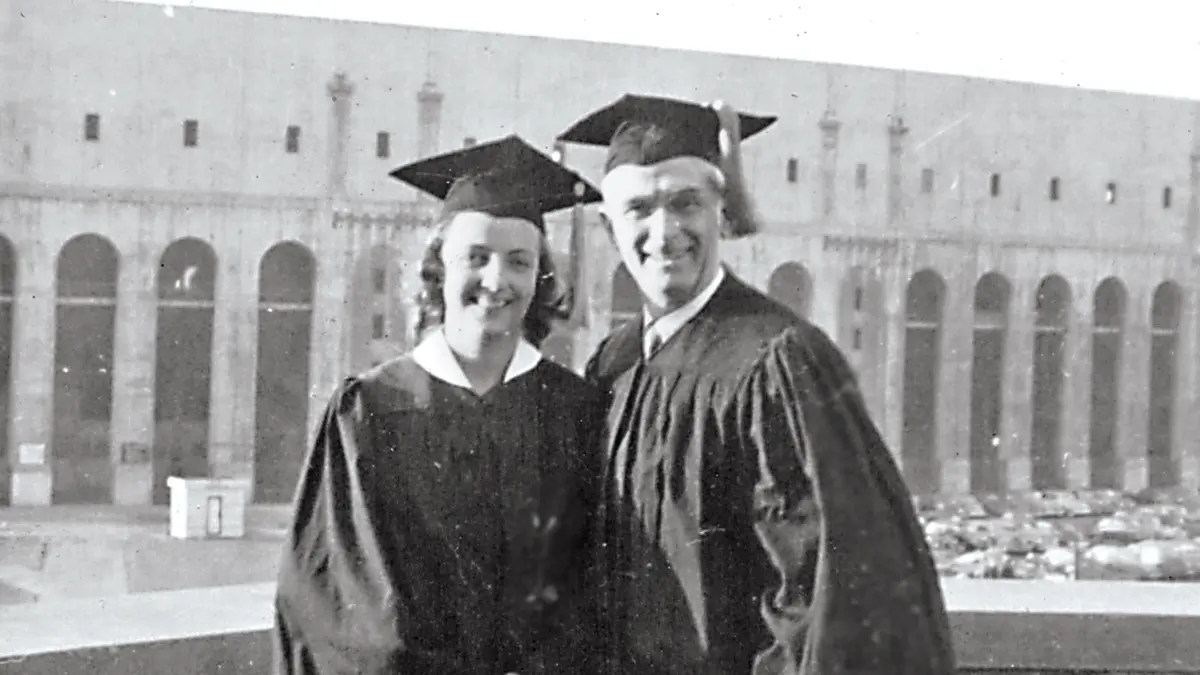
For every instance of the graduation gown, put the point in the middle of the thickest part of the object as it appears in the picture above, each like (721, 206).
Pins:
(437, 532)
(756, 522)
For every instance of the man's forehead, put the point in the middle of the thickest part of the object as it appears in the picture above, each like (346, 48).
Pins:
(677, 173)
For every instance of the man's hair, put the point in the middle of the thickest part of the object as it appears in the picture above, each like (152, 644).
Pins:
(549, 299)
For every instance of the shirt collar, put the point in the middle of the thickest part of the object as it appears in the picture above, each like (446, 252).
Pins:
(671, 323)
(434, 356)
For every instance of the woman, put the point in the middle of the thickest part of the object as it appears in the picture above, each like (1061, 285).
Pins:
(442, 519)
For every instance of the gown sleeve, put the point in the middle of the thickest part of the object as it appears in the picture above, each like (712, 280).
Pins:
(856, 589)
(342, 606)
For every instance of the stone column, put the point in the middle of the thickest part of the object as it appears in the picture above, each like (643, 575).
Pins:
(340, 92)
(235, 331)
(829, 126)
(897, 132)
(134, 350)
(32, 393)
(429, 119)
(1016, 417)
(1134, 407)
(1076, 428)
(954, 385)
(1183, 419)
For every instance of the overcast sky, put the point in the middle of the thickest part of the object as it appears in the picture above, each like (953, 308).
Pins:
(1143, 46)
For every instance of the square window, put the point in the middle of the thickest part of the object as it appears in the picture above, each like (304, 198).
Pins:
(293, 140)
(91, 127)
(926, 181)
(191, 133)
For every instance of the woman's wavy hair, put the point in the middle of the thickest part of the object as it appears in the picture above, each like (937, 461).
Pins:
(549, 298)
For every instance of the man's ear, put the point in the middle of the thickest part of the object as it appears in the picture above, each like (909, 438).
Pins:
(603, 212)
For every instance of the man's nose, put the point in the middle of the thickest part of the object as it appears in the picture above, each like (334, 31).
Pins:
(661, 227)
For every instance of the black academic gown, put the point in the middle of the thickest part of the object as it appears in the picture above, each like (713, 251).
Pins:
(756, 522)
(437, 532)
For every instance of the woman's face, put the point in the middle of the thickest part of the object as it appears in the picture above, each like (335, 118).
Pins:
(491, 272)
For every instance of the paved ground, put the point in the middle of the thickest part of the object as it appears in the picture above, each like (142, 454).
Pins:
(69, 552)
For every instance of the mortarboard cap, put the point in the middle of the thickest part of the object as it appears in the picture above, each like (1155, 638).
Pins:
(648, 130)
(507, 178)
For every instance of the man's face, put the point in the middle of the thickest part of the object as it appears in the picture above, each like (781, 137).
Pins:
(491, 272)
(666, 222)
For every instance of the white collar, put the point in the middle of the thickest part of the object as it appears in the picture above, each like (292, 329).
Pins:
(434, 356)
(671, 323)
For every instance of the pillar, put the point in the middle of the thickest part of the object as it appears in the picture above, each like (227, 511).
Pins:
(1183, 420)
(829, 126)
(340, 92)
(1017, 383)
(429, 119)
(1134, 408)
(954, 383)
(897, 132)
(235, 329)
(32, 396)
(134, 348)
(1076, 427)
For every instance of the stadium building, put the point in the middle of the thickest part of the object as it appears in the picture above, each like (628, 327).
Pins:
(199, 240)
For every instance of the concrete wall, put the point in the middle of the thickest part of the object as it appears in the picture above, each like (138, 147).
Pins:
(999, 627)
(928, 146)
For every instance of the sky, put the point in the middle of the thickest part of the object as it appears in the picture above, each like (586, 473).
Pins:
(1143, 47)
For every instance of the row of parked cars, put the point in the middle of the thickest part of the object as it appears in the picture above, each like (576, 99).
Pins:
(1153, 535)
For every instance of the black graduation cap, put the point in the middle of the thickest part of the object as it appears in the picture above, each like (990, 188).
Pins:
(507, 178)
(649, 129)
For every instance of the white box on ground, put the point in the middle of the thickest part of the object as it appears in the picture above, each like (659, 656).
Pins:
(207, 508)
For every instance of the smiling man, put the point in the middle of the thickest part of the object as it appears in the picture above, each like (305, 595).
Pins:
(755, 521)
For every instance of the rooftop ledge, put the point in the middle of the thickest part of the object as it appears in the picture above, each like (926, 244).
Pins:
(1010, 626)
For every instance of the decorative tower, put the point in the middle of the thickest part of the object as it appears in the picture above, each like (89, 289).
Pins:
(340, 92)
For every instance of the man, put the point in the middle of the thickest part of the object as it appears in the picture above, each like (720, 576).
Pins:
(755, 522)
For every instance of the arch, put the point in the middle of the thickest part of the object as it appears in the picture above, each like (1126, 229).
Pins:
(1052, 309)
(626, 298)
(8, 289)
(993, 292)
(1108, 325)
(85, 321)
(923, 302)
(287, 278)
(187, 275)
(792, 285)
(1165, 311)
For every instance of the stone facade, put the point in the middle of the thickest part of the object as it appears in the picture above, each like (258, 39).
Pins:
(220, 208)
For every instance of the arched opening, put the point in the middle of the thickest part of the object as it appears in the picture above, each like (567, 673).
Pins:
(285, 300)
(791, 285)
(626, 298)
(1164, 342)
(8, 289)
(85, 320)
(183, 362)
(923, 302)
(1052, 308)
(1108, 314)
(992, 297)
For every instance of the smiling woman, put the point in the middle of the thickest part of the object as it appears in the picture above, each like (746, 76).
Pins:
(461, 540)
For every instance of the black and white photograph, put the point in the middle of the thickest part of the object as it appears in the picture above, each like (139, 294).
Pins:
(840, 337)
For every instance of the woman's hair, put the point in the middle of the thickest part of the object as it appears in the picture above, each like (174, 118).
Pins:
(549, 300)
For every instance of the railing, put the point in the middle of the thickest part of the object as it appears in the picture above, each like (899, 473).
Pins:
(1014, 627)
